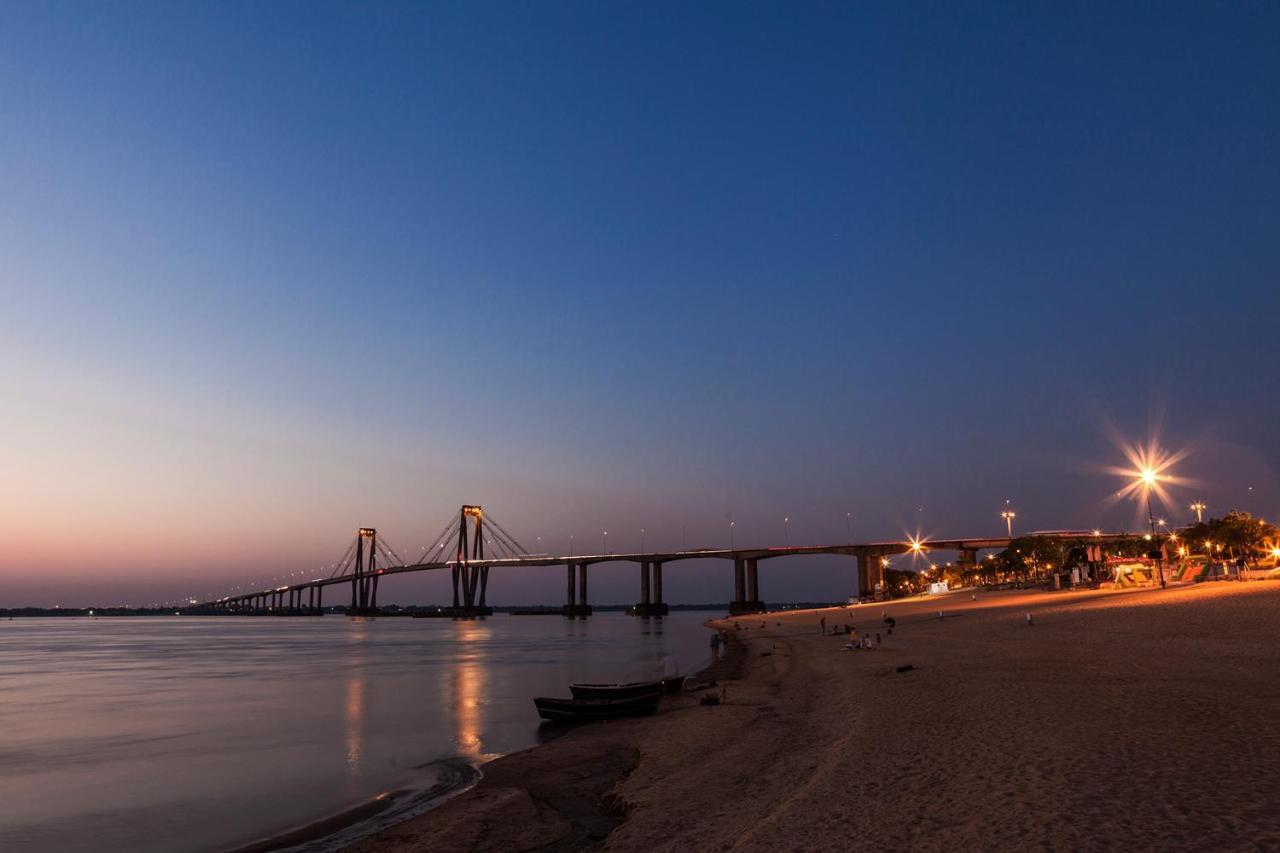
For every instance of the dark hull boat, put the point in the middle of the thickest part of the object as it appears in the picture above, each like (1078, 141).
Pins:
(583, 710)
(626, 691)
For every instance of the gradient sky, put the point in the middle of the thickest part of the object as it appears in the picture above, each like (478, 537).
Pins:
(271, 271)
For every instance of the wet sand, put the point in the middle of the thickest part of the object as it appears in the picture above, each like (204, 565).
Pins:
(1118, 720)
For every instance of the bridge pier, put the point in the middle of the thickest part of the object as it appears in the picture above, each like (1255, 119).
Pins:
(870, 576)
(746, 587)
(575, 602)
(650, 605)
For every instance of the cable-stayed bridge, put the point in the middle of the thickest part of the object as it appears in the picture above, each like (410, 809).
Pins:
(473, 542)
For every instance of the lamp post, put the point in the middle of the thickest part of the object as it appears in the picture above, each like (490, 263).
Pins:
(786, 530)
(641, 540)
(1008, 515)
(1149, 477)
(1198, 508)
(731, 534)
(604, 542)
(848, 525)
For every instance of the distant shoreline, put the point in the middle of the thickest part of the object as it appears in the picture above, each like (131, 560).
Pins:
(389, 611)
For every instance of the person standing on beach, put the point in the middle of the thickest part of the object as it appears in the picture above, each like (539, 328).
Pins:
(822, 625)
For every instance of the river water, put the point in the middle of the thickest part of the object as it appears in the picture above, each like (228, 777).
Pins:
(200, 734)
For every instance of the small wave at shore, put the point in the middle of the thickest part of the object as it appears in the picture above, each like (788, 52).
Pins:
(441, 780)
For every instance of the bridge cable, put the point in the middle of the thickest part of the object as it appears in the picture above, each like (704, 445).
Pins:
(514, 542)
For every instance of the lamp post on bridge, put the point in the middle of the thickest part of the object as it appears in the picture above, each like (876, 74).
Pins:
(786, 530)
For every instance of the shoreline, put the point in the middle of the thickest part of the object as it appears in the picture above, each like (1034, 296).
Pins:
(332, 832)
(457, 776)
(1003, 734)
(570, 777)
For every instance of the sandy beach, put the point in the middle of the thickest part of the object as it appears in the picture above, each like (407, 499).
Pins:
(1116, 720)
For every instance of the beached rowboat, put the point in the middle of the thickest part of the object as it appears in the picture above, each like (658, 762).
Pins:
(628, 690)
(583, 710)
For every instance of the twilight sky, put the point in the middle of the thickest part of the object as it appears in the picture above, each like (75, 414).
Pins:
(274, 271)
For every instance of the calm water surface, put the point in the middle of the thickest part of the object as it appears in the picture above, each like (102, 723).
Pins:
(197, 734)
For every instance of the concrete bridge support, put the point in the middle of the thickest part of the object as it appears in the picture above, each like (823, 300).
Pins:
(746, 587)
(651, 603)
(575, 602)
(870, 576)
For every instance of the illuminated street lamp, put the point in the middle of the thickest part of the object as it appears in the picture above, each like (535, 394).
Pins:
(786, 530)
(1198, 508)
(1148, 477)
(1008, 515)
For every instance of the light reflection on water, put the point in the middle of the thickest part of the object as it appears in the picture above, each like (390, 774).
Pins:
(175, 734)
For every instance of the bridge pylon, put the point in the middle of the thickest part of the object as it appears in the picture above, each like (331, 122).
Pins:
(471, 581)
(364, 573)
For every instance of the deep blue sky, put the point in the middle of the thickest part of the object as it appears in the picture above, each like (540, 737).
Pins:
(272, 271)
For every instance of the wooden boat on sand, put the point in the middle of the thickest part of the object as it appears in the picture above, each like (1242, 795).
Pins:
(624, 691)
(585, 710)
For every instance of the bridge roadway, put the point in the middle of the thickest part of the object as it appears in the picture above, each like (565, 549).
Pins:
(746, 585)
